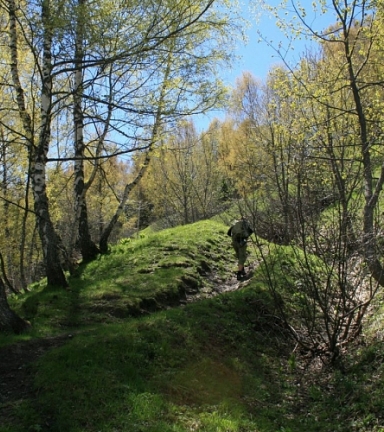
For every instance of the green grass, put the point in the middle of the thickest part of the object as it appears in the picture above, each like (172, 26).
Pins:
(193, 365)
(217, 365)
(137, 276)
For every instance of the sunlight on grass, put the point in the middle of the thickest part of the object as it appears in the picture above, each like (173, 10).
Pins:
(128, 361)
(205, 382)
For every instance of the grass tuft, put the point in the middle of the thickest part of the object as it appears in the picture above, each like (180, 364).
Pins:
(131, 357)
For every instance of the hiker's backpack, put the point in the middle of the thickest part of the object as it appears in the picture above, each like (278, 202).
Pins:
(240, 231)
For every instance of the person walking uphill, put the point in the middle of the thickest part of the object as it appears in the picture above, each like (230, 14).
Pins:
(239, 232)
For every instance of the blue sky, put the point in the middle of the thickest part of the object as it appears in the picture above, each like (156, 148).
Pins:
(256, 56)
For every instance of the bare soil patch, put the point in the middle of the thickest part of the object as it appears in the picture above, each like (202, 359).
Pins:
(17, 371)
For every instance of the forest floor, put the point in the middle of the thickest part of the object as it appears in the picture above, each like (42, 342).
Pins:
(17, 373)
(17, 360)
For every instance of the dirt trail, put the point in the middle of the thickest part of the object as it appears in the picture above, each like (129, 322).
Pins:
(16, 360)
(16, 371)
(219, 285)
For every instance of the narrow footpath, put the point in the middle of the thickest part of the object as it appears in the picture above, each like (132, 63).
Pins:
(218, 285)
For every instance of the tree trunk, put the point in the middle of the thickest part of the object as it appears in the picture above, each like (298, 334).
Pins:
(84, 242)
(38, 153)
(48, 236)
(22, 247)
(371, 191)
(10, 322)
(128, 188)
(88, 248)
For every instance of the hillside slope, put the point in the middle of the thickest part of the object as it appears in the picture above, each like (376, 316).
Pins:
(159, 336)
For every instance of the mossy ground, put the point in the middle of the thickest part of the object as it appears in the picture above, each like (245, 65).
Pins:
(121, 351)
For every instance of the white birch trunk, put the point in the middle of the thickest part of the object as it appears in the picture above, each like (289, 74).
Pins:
(38, 151)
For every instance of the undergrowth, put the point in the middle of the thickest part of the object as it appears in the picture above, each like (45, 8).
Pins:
(140, 359)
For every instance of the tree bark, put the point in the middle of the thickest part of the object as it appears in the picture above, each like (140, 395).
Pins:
(371, 191)
(84, 242)
(128, 188)
(50, 240)
(10, 322)
(38, 153)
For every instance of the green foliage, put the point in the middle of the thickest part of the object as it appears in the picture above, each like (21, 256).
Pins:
(227, 363)
(163, 372)
(137, 276)
(220, 364)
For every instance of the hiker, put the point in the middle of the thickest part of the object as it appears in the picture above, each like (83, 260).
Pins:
(239, 232)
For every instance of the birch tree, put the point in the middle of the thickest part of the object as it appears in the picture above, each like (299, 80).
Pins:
(185, 84)
(38, 147)
(118, 80)
(106, 63)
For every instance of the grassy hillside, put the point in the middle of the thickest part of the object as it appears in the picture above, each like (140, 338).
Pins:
(143, 340)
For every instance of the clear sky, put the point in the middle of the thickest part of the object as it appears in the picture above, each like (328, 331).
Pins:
(257, 56)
